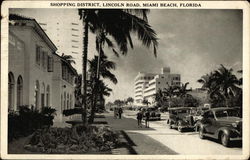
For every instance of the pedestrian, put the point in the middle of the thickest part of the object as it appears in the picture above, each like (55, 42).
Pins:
(120, 111)
(147, 116)
(139, 118)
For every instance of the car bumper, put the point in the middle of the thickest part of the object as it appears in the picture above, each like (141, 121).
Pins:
(236, 139)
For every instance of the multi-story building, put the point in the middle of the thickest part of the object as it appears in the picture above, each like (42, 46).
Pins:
(64, 31)
(147, 84)
(37, 76)
(141, 83)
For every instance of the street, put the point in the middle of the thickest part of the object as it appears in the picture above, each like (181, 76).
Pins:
(186, 143)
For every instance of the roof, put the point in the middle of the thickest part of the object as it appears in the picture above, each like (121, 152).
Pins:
(221, 108)
(67, 63)
(19, 17)
(37, 27)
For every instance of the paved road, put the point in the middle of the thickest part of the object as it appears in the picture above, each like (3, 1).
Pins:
(134, 142)
(187, 143)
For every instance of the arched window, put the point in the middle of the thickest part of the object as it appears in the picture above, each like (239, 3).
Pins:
(67, 101)
(37, 92)
(64, 101)
(11, 85)
(43, 95)
(19, 94)
(48, 96)
(70, 101)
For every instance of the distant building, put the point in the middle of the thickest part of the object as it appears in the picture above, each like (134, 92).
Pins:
(147, 84)
(37, 76)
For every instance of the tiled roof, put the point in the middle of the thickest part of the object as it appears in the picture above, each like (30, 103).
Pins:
(19, 17)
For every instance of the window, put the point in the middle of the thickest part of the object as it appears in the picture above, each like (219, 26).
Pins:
(48, 96)
(67, 101)
(11, 85)
(43, 59)
(38, 50)
(50, 64)
(37, 92)
(70, 101)
(64, 72)
(19, 46)
(12, 40)
(43, 95)
(64, 101)
(19, 91)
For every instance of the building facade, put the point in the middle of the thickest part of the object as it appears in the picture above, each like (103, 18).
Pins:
(147, 84)
(34, 68)
(56, 27)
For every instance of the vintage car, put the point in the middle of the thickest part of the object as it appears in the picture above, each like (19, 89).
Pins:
(224, 124)
(153, 112)
(198, 112)
(181, 118)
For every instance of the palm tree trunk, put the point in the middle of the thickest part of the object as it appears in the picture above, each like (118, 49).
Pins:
(95, 93)
(84, 72)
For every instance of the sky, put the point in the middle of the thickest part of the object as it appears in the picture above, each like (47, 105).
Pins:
(191, 42)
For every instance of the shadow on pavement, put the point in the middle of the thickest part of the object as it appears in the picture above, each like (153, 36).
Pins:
(233, 144)
(125, 124)
(129, 143)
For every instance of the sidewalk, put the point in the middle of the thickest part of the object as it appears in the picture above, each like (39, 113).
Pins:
(133, 142)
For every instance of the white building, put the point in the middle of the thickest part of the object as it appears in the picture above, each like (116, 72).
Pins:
(35, 71)
(64, 31)
(147, 84)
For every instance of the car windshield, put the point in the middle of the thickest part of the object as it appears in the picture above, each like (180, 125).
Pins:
(227, 113)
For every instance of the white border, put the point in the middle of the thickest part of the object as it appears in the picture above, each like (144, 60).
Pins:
(205, 5)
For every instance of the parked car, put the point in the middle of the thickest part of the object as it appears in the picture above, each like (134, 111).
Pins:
(181, 118)
(224, 124)
(198, 112)
(154, 113)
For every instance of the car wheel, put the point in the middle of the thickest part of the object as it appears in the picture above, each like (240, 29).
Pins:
(201, 133)
(179, 128)
(225, 139)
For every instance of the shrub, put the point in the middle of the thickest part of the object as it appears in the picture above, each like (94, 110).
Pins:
(26, 121)
(79, 139)
(70, 112)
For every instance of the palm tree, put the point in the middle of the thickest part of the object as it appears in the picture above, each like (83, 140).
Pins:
(68, 58)
(221, 84)
(170, 92)
(130, 100)
(227, 82)
(103, 90)
(146, 102)
(105, 67)
(118, 23)
(160, 97)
